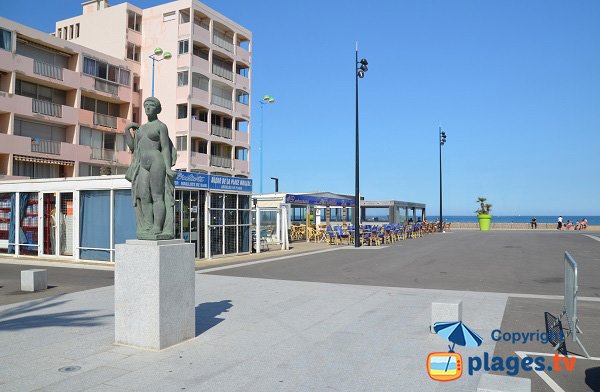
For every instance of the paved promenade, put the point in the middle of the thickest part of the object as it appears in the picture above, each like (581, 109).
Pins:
(333, 319)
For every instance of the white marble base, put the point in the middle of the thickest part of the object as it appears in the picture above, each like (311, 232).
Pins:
(34, 280)
(154, 293)
(445, 312)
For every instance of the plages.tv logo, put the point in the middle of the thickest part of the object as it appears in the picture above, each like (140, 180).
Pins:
(448, 366)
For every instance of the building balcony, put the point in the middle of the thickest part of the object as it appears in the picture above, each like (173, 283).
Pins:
(241, 166)
(242, 109)
(103, 154)
(199, 159)
(199, 128)
(45, 146)
(101, 88)
(218, 130)
(242, 82)
(222, 102)
(222, 41)
(242, 55)
(39, 148)
(200, 65)
(200, 95)
(241, 137)
(40, 110)
(225, 73)
(51, 75)
(101, 121)
(219, 161)
(200, 34)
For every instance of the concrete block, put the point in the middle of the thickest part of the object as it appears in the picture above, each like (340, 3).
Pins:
(445, 311)
(34, 280)
(154, 293)
(495, 383)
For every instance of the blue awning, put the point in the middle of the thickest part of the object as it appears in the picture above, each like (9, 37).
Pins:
(318, 200)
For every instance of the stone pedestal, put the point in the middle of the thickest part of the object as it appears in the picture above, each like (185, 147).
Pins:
(450, 311)
(34, 280)
(154, 293)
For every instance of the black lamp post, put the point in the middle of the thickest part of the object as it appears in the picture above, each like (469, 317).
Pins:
(360, 69)
(442, 142)
(276, 179)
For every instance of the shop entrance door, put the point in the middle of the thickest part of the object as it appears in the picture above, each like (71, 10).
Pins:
(189, 219)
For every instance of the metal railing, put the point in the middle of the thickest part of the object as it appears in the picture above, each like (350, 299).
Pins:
(46, 107)
(45, 146)
(223, 102)
(222, 71)
(221, 41)
(103, 154)
(216, 160)
(105, 120)
(49, 70)
(107, 87)
(220, 131)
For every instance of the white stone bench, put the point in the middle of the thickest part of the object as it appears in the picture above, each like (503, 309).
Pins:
(445, 311)
(495, 383)
(34, 280)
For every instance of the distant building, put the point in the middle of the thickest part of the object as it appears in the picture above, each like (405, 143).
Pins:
(65, 99)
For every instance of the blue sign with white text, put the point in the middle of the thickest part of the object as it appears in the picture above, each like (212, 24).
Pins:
(191, 180)
(223, 183)
(318, 200)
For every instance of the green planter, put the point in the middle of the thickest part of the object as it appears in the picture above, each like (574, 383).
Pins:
(485, 221)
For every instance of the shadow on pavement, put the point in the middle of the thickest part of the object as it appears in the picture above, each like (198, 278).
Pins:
(592, 378)
(76, 318)
(206, 314)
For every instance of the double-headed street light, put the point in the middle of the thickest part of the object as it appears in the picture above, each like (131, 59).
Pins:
(158, 55)
(360, 69)
(264, 101)
(442, 142)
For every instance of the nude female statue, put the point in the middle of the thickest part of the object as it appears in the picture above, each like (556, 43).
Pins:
(150, 174)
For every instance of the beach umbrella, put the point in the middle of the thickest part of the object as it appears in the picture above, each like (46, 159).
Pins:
(457, 333)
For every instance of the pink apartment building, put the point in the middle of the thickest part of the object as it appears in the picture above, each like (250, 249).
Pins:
(65, 98)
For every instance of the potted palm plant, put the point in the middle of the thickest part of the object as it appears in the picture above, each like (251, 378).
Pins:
(483, 214)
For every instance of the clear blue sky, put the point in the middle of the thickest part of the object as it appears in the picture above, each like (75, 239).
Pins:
(515, 84)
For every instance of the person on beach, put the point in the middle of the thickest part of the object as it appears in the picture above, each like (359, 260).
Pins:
(577, 225)
(584, 223)
(559, 226)
(533, 223)
(569, 225)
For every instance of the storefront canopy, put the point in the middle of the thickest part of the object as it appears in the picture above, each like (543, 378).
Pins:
(312, 199)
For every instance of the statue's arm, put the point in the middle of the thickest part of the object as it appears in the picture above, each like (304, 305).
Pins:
(164, 144)
(129, 138)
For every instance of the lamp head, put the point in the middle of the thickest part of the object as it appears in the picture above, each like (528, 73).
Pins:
(364, 62)
(167, 55)
(158, 51)
(361, 73)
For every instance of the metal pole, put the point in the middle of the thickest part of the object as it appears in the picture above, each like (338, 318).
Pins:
(441, 219)
(356, 172)
(152, 75)
(260, 148)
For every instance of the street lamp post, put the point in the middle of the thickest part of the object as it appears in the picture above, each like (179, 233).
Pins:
(442, 142)
(359, 72)
(265, 100)
(276, 179)
(158, 56)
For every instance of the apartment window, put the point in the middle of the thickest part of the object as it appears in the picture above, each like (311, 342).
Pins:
(71, 31)
(242, 70)
(77, 30)
(133, 52)
(42, 93)
(184, 46)
(199, 81)
(134, 21)
(136, 84)
(241, 154)
(105, 71)
(101, 140)
(59, 33)
(242, 97)
(5, 39)
(202, 22)
(200, 114)
(86, 170)
(184, 17)
(202, 146)
(65, 31)
(181, 143)
(37, 170)
(182, 111)
(169, 16)
(182, 78)
(40, 130)
(102, 107)
(201, 52)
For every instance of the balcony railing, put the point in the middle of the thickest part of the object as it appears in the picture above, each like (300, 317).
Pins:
(107, 87)
(221, 41)
(49, 70)
(216, 160)
(47, 108)
(105, 120)
(220, 131)
(45, 146)
(223, 102)
(103, 154)
(222, 71)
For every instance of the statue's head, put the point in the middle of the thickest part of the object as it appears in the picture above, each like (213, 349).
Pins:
(152, 106)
